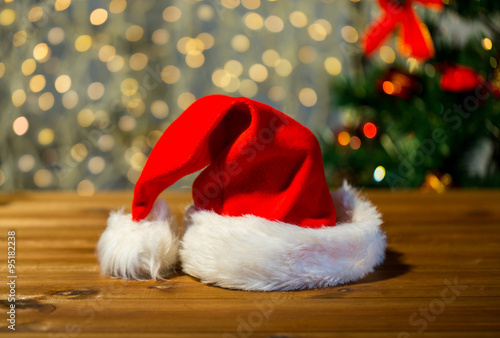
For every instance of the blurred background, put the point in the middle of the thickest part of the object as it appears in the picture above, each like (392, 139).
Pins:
(400, 93)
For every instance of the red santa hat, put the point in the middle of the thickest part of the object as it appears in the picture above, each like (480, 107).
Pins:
(263, 217)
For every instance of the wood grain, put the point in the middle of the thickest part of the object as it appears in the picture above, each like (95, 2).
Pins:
(441, 277)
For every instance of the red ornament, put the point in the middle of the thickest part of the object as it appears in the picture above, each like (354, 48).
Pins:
(457, 78)
(414, 37)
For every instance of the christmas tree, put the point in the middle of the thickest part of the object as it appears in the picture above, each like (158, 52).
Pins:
(427, 115)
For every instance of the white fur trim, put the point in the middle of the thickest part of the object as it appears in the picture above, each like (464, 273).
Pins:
(253, 253)
(139, 250)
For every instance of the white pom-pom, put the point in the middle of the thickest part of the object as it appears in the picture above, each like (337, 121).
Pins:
(139, 250)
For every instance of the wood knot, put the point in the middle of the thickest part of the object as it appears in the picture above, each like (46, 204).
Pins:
(75, 293)
(162, 286)
(30, 304)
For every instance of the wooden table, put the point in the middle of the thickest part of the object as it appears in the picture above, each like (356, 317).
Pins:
(441, 277)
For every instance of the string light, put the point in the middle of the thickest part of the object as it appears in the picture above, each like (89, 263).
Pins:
(344, 138)
(370, 130)
(379, 173)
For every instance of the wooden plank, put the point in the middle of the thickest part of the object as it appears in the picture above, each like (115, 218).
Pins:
(434, 240)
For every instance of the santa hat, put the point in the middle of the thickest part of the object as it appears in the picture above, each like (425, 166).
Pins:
(263, 217)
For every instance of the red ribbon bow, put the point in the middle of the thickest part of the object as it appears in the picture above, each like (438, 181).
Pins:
(415, 39)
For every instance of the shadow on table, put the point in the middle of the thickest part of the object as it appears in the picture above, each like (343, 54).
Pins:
(392, 267)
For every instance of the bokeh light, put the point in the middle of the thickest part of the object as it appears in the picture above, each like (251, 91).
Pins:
(344, 138)
(98, 16)
(370, 130)
(20, 126)
(379, 173)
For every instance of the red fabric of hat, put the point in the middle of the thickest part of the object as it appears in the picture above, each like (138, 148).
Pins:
(258, 161)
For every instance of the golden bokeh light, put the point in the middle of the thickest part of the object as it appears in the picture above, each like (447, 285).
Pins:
(106, 142)
(185, 99)
(307, 54)
(42, 178)
(134, 33)
(35, 13)
(283, 67)
(20, 126)
(221, 77)
(170, 74)
(41, 52)
(232, 86)
(79, 152)
(206, 12)
(7, 17)
(2, 69)
(349, 33)
(171, 14)
(116, 64)
(274, 24)
(18, 97)
(136, 107)
(85, 117)
(46, 101)
(70, 99)
(98, 16)
(26, 163)
(56, 35)
(153, 137)
(240, 43)
(248, 88)
(95, 91)
(159, 109)
(270, 57)
(308, 97)
(317, 32)
(160, 36)
(487, 44)
(85, 188)
(46, 136)
(195, 60)
(258, 72)
(63, 83)
(138, 61)
(117, 6)
(333, 66)
(61, 5)
(207, 39)
(28, 66)
(253, 21)
(231, 4)
(96, 165)
(234, 68)
(19, 38)
(298, 19)
(127, 123)
(276, 93)
(83, 43)
(106, 53)
(129, 86)
(250, 4)
(138, 160)
(387, 54)
(37, 83)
